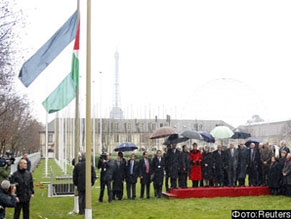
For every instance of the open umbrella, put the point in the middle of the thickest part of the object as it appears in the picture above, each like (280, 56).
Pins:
(175, 138)
(256, 141)
(191, 134)
(207, 137)
(125, 146)
(163, 132)
(240, 134)
(221, 132)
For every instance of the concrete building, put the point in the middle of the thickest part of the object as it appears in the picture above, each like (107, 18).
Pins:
(116, 131)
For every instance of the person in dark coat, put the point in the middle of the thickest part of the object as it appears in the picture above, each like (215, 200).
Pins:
(7, 197)
(287, 174)
(118, 178)
(173, 156)
(145, 175)
(253, 167)
(275, 174)
(283, 183)
(131, 174)
(107, 168)
(123, 161)
(184, 167)
(207, 167)
(165, 155)
(219, 164)
(242, 164)
(79, 180)
(232, 155)
(24, 189)
(158, 166)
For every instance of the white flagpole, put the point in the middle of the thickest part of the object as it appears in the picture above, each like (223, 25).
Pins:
(46, 146)
(100, 116)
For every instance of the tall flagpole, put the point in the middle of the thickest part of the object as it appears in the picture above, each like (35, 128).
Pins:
(77, 127)
(46, 146)
(88, 207)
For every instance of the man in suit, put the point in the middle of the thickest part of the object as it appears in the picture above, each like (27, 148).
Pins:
(253, 165)
(165, 156)
(266, 155)
(184, 167)
(242, 164)
(158, 166)
(173, 156)
(145, 175)
(118, 178)
(219, 164)
(131, 174)
(232, 159)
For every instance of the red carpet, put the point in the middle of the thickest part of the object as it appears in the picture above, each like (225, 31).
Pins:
(212, 192)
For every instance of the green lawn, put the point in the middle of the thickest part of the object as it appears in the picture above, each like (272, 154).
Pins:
(60, 207)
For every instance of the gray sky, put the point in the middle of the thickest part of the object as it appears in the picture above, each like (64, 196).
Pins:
(223, 60)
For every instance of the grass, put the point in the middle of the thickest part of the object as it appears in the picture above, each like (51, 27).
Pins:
(60, 207)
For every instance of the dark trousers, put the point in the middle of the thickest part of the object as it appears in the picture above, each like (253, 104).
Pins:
(131, 190)
(109, 190)
(158, 189)
(173, 182)
(182, 180)
(195, 183)
(219, 176)
(231, 175)
(167, 182)
(17, 210)
(253, 176)
(81, 199)
(265, 174)
(144, 186)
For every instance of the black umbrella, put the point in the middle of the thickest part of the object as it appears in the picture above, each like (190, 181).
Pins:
(175, 138)
(207, 137)
(256, 141)
(191, 134)
(125, 146)
(240, 134)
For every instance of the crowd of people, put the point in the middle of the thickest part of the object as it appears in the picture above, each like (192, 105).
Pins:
(16, 189)
(226, 166)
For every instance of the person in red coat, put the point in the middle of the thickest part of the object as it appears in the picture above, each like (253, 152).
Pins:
(195, 162)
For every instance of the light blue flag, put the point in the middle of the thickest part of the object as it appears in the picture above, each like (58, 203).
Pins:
(49, 51)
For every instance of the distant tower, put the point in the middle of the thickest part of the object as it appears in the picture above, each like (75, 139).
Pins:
(116, 112)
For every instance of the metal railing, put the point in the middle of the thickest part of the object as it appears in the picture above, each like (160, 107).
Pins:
(34, 158)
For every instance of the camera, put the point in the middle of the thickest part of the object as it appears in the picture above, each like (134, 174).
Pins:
(6, 161)
(11, 187)
(103, 156)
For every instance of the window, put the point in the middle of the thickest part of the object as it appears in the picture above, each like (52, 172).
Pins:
(50, 138)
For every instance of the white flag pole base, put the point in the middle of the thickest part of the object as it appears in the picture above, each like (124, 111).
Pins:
(88, 213)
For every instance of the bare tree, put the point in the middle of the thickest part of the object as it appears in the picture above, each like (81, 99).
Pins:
(18, 129)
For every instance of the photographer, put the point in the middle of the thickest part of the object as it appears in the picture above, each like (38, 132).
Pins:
(7, 197)
(107, 169)
(5, 169)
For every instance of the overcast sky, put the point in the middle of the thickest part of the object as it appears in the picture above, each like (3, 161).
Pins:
(225, 60)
